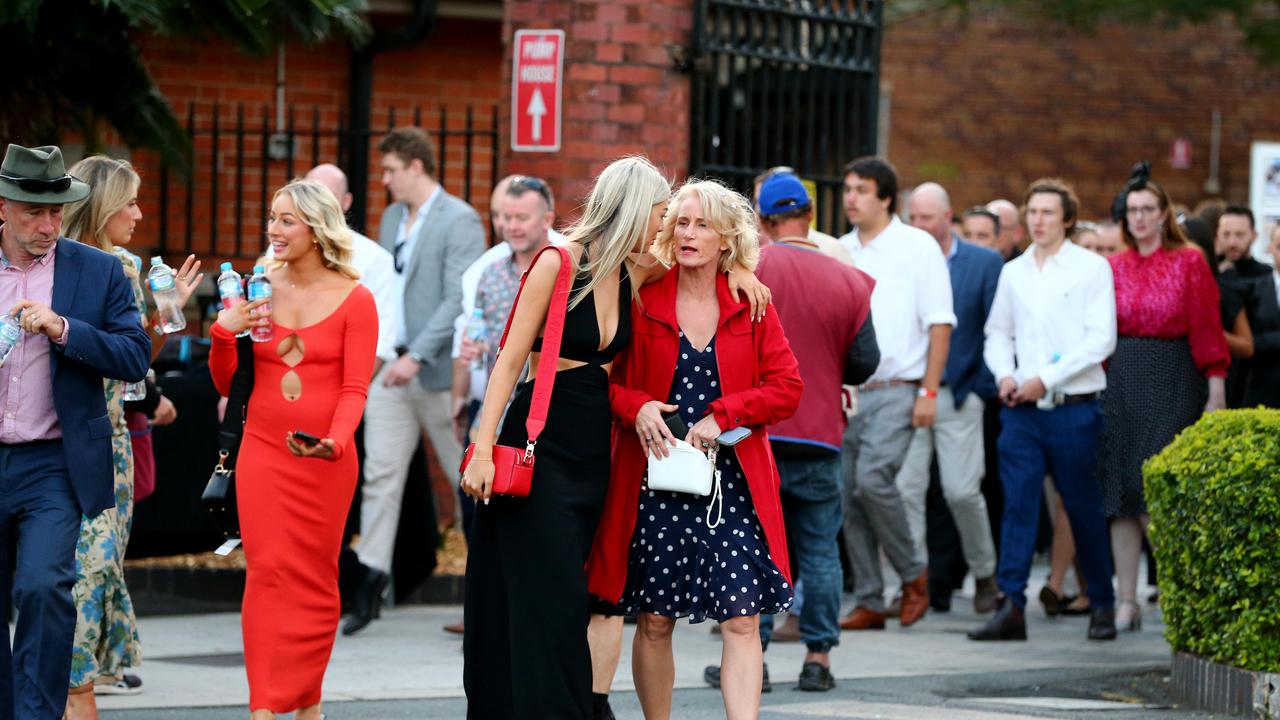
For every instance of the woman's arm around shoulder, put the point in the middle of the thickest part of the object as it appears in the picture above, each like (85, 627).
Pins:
(778, 394)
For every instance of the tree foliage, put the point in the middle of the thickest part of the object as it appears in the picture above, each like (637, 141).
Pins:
(1258, 20)
(70, 64)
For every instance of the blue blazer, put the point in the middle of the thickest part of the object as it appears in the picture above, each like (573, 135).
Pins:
(974, 273)
(106, 340)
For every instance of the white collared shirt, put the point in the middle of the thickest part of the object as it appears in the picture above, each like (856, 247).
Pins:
(1056, 322)
(912, 292)
(410, 229)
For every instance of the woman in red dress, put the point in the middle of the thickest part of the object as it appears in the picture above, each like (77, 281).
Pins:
(312, 375)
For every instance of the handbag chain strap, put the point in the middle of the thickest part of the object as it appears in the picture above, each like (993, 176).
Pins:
(545, 379)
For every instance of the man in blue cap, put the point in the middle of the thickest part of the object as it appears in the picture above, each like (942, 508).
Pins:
(79, 325)
(834, 342)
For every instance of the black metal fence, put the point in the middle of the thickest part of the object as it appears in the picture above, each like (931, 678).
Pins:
(785, 82)
(242, 156)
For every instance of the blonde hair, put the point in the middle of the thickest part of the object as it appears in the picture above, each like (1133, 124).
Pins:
(616, 217)
(316, 206)
(112, 185)
(728, 213)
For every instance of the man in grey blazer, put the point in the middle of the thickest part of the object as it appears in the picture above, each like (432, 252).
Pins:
(433, 237)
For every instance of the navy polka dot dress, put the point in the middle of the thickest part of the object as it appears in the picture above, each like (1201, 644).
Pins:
(678, 567)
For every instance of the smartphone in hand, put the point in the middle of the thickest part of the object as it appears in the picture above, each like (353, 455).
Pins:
(306, 438)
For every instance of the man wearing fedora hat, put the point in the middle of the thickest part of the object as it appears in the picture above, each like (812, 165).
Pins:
(80, 326)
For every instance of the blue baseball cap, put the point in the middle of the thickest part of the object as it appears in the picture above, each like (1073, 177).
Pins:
(782, 192)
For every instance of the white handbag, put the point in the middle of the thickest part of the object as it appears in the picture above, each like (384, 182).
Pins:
(687, 470)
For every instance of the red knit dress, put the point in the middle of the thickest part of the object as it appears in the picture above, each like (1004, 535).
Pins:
(292, 509)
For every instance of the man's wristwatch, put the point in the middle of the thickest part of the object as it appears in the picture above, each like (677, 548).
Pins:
(925, 392)
(416, 357)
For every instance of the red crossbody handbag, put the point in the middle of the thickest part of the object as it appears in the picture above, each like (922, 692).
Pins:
(513, 467)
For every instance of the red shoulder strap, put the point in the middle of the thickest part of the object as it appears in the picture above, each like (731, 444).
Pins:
(544, 380)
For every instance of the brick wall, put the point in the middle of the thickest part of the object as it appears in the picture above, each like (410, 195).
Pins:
(457, 66)
(989, 104)
(621, 95)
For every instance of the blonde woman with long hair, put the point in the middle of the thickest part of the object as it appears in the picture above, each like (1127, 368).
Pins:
(525, 649)
(311, 376)
(106, 639)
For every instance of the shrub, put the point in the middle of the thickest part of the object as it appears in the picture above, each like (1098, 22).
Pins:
(1214, 498)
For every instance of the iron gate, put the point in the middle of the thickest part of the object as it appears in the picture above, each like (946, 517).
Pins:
(785, 82)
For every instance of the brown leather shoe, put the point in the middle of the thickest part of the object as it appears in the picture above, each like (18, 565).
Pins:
(915, 600)
(863, 619)
(788, 631)
(895, 608)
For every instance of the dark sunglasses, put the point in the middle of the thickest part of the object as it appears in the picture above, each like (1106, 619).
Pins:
(529, 182)
(37, 185)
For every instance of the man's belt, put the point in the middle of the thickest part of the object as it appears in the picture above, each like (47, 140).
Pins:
(1073, 399)
(882, 384)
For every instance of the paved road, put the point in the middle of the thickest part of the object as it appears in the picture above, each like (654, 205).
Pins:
(1055, 693)
(405, 666)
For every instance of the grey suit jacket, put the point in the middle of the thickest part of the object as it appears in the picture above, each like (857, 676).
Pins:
(450, 240)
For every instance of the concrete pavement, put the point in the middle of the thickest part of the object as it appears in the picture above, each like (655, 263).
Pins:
(196, 662)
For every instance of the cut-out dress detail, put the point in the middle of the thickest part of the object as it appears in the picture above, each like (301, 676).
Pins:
(291, 351)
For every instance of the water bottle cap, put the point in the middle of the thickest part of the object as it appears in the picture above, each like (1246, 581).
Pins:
(156, 260)
(226, 266)
(258, 269)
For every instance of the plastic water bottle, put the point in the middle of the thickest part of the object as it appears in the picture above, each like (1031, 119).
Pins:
(231, 290)
(1047, 402)
(165, 292)
(10, 335)
(476, 333)
(260, 288)
(136, 390)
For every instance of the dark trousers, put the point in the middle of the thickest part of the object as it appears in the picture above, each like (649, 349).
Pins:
(39, 516)
(812, 506)
(1062, 442)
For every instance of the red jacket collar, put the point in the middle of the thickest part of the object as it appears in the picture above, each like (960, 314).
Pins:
(659, 299)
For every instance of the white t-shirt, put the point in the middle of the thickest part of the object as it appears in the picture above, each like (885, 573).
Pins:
(912, 292)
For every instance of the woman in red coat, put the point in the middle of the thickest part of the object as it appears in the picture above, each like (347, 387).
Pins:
(695, 351)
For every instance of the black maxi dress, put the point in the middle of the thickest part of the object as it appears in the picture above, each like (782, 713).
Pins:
(526, 607)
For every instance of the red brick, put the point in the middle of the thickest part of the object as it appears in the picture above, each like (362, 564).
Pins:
(588, 32)
(635, 75)
(608, 53)
(634, 33)
(633, 114)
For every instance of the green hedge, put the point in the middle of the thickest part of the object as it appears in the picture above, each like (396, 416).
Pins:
(1214, 497)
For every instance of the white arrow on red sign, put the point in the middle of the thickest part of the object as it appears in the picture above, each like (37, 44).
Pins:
(536, 109)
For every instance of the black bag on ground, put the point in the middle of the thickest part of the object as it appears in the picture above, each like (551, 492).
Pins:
(219, 496)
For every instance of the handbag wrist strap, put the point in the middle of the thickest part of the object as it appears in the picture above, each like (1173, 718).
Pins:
(545, 379)
(232, 428)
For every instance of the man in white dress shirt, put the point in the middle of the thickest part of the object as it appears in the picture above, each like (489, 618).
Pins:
(911, 310)
(1052, 324)
(372, 261)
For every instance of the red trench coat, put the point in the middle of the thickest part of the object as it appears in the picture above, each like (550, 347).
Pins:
(761, 384)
